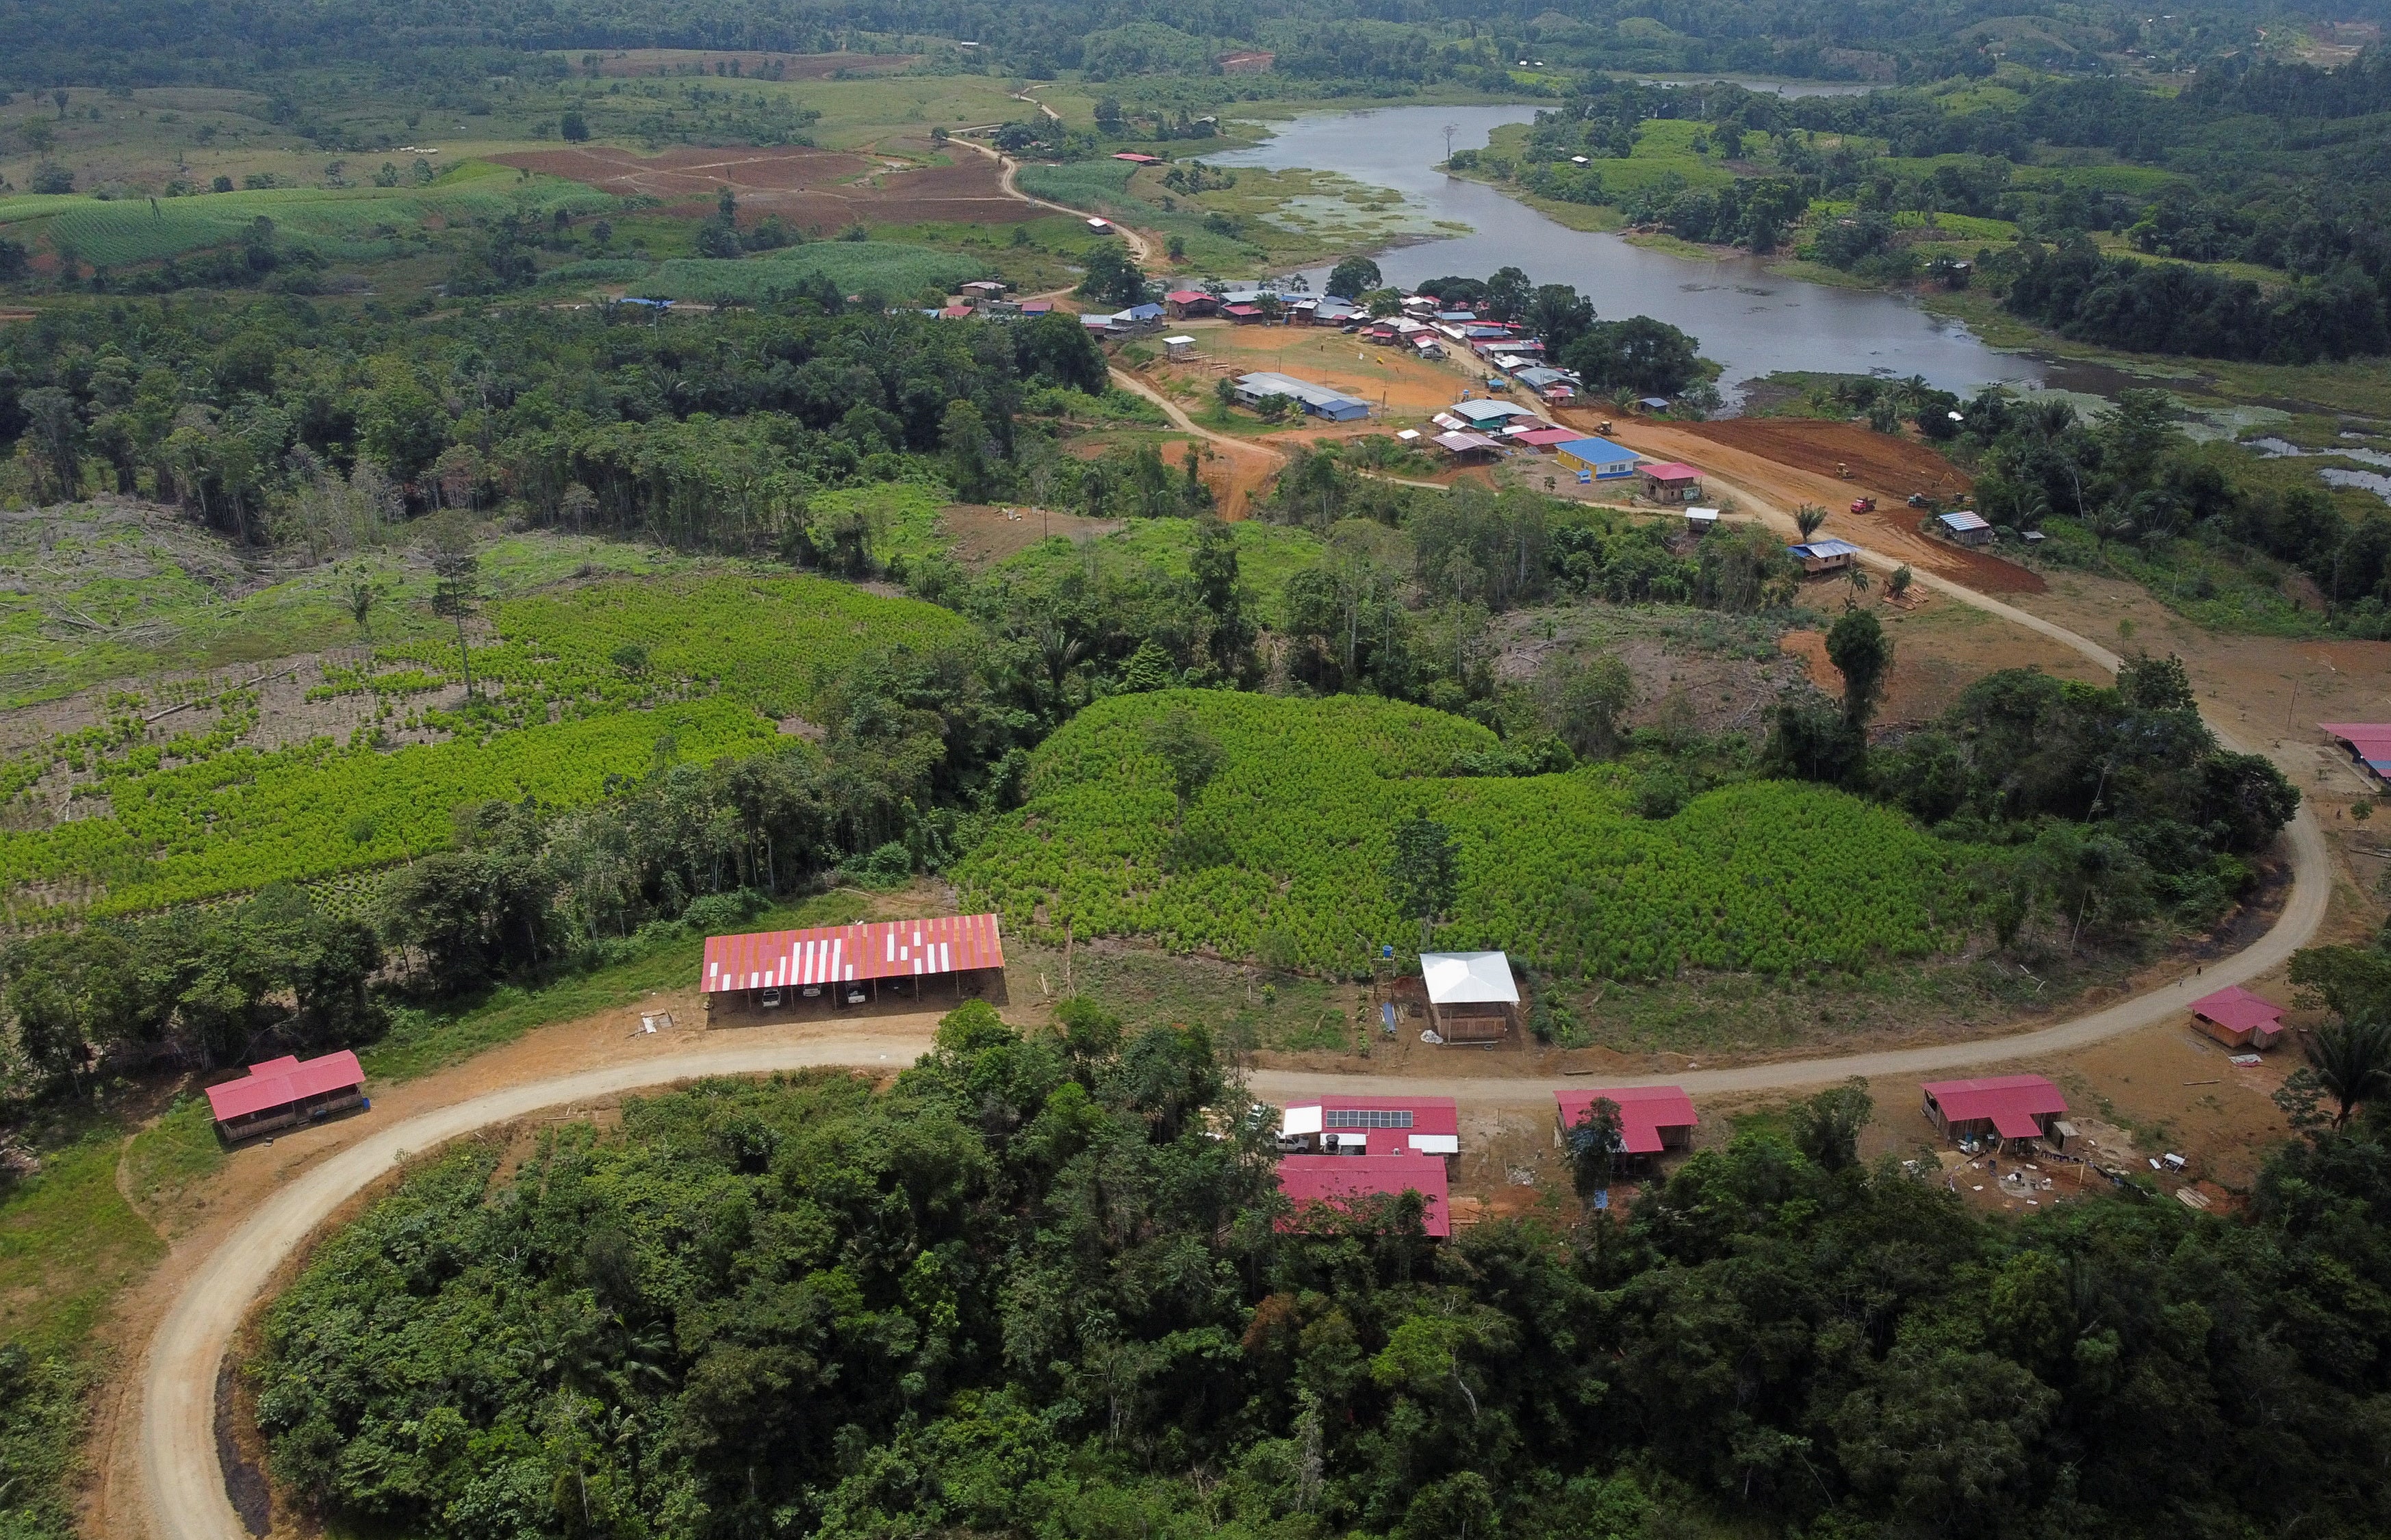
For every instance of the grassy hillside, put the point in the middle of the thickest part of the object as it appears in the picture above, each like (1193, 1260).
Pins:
(1283, 852)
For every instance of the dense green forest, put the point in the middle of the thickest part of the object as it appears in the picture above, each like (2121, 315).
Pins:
(1039, 1286)
(1393, 42)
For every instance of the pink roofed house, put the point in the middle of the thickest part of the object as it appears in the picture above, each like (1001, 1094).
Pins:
(2368, 743)
(1651, 1117)
(1331, 1182)
(284, 1091)
(1344, 1125)
(2238, 1019)
(2014, 1108)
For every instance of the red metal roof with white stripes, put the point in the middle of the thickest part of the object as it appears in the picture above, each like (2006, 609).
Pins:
(279, 1082)
(835, 954)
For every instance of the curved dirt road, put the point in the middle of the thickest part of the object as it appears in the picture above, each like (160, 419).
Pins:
(183, 1482)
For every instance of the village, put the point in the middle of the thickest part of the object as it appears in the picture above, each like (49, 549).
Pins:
(2001, 1140)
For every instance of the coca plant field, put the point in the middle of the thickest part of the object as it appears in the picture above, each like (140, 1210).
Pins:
(593, 683)
(1283, 852)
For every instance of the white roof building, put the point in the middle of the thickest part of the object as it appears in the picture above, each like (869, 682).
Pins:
(1468, 978)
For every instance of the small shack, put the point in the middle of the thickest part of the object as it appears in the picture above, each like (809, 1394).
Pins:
(1102, 227)
(1471, 446)
(2238, 1019)
(1133, 157)
(1652, 1118)
(1672, 481)
(286, 1091)
(2368, 743)
(1701, 521)
(1343, 1125)
(1178, 350)
(1185, 302)
(1489, 414)
(983, 293)
(1326, 1182)
(1598, 457)
(1542, 440)
(1965, 527)
(2017, 1109)
(1820, 556)
(833, 966)
(1472, 995)
(1244, 315)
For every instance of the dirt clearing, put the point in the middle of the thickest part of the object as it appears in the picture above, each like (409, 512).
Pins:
(1938, 650)
(985, 535)
(806, 188)
(1755, 470)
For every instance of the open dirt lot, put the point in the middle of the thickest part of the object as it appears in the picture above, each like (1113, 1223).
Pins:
(1939, 648)
(1767, 460)
(804, 186)
(1411, 388)
(985, 535)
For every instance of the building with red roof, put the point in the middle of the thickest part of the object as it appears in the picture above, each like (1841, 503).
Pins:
(1133, 157)
(1545, 440)
(1651, 1117)
(1346, 1125)
(2014, 1108)
(1244, 315)
(287, 1091)
(2238, 1019)
(850, 965)
(1185, 302)
(2368, 743)
(1672, 481)
(1334, 1183)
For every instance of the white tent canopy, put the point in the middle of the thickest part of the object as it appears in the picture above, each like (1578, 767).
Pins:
(1468, 978)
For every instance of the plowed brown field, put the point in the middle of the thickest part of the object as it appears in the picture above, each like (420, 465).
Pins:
(1882, 462)
(804, 186)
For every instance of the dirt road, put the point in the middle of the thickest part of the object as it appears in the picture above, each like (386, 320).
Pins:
(185, 1484)
(1139, 247)
(1251, 465)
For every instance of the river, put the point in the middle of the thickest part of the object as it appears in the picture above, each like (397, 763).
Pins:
(1751, 321)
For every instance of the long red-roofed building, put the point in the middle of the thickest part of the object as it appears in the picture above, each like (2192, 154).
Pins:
(1651, 1117)
(844, 962)
(2014, 1108)
(2238, 1019)
(287, 1091)
(1334, 1182)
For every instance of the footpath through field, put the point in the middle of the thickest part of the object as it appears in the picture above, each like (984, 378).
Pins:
(183, 1482)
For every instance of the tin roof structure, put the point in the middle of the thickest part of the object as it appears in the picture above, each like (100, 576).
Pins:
(1337, 1179)
(836, 954)
(2014, 1103)
(279, 1083)
(1643, 1111)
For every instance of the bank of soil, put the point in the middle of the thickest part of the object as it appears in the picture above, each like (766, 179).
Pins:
(806, 188)
(1749, 460)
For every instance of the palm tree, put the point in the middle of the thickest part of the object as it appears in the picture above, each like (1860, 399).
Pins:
(2352, 1060)
(1807, 518)
(1859, 581)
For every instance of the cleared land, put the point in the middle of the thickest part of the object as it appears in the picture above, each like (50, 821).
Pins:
(806, 188)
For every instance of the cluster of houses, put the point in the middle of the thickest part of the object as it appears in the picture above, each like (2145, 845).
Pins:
(983, 300)
(1337, 1150)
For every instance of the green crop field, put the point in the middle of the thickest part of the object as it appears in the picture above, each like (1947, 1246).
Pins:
(199, 817)
(886, 267)
(1268, 555)
(1284, 850)
(767, 642)
(336, 220)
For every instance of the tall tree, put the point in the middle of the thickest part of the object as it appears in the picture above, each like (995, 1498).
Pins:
(456, 582)
(1863, 654)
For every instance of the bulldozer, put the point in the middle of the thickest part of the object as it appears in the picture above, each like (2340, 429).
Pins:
(1843, 469)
